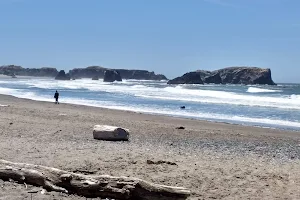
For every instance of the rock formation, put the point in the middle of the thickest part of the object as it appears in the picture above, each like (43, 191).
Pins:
(213, 78)
(92, 71)
(188, 78)
(95, 78)
(231, 75)
(62, 75)
(77, 73)
(20, 71)
(111, 76)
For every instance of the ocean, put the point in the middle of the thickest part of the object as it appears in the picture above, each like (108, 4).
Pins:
(263, 106)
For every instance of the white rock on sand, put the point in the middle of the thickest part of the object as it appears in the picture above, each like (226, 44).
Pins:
(106, 132)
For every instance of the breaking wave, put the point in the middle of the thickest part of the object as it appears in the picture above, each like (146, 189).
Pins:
(159, 98)
(261, 90)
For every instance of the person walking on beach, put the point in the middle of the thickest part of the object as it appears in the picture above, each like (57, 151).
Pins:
(56, 95)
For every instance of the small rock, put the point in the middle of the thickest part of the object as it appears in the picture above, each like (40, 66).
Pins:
(43, 191)
(150, 162)
(33, 191)
(180, 127)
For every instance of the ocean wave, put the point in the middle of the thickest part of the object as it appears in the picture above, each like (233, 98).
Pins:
(22, 94)
(222, 101)
(261, 90)
(156, 110)
(222, 97)
(210, 116)
(166, 92)
(180, 113)
(294, 96)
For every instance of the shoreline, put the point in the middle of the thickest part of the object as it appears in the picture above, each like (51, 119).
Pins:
(251, 124)
(208, 123)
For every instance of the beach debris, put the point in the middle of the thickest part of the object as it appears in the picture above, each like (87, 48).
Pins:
(150, 162)
(180, 127)
(62, 114)
(31, 192)
(112, 133)
(82, 171)
(89, 186)
(1, 105)
(57, 131)
(43, 191)
(11, 123)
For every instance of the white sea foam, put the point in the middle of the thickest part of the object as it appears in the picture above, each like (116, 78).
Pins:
(222, 97)
(294, 96)
(261, 90)
(148, 89)
(179, 113)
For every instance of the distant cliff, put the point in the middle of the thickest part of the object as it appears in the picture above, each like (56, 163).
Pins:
(20, 71)
(230, 75)
(93, 71)
(88, 72)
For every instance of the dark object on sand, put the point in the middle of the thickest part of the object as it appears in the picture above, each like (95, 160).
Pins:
(182, 107)
(150, 162)
(180, 127)
(32, 192)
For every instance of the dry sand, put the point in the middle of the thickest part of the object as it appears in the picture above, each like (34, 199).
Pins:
(213, 160)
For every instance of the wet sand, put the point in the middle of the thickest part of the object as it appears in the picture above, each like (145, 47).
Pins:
(213, 160)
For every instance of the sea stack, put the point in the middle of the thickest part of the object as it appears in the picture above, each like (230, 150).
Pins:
(188, 78)
(62, 75)
(111, 76)
(230, 75)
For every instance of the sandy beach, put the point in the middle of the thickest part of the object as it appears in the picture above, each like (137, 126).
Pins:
(213, 160)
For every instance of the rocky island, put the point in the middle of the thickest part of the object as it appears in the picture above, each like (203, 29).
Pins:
(93, 72)
(230, 75)
(11, 70)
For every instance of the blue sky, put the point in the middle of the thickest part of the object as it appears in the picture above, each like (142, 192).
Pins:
(166, 36)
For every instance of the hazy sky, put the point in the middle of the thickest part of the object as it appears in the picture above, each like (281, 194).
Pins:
(166, 36)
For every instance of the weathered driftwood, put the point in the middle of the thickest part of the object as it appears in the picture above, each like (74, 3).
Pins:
(113, 133)
(104, 186)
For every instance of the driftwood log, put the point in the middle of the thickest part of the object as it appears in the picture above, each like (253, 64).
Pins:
(91, 186)
(113, 133)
